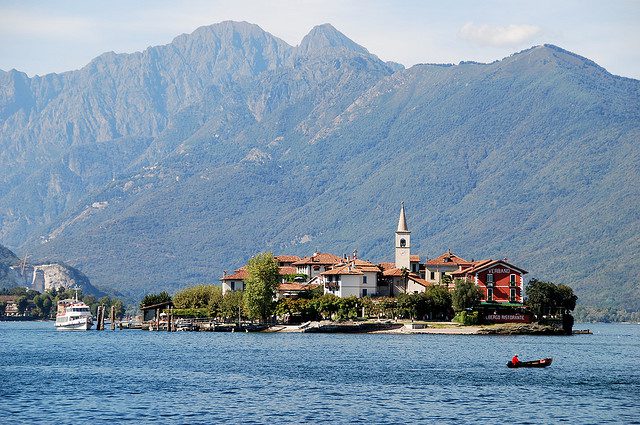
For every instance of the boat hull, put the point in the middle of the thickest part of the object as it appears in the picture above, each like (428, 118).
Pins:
(534, 363)
(75, 325)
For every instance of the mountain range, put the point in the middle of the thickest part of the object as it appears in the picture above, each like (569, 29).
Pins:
(162, 168)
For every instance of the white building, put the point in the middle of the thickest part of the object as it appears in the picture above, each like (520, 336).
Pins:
(317, 263)
(357, 278)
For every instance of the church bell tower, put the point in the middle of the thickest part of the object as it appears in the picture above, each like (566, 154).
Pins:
(403, 242)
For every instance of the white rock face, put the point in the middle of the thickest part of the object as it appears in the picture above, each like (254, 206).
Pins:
(54, 276)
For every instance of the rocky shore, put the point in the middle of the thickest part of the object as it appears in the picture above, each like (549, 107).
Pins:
(442, 328)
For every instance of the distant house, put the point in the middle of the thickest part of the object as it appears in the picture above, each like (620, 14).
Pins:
(498, 280)
(286, 260)
(399, 281)
(11, 306)
(317, 263)
(447, 263)
(356, 277)
(236, 280)
(293, 289)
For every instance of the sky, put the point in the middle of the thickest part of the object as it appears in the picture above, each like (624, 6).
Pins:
(40, 37)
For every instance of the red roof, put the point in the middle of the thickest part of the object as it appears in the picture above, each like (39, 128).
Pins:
(449, 259)
(346, 269)
(481, 265)
(287, 258)
(9, 298)
(414, 258)
(387, 265)
(286, 270)
(392, 272)
(417, 279)
(240, 274)
(319, 258)
(294, 286)
(365, 266)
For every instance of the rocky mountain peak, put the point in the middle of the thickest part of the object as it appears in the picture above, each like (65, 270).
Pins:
(323, 39)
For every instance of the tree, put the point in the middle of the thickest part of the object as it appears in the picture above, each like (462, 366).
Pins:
(465, 295)
(408, 305)
(261, 286)
(327, 305)
(405, 278)
(566, 299)
(3, 308)
(43, 303)
(200, 297)
(153, 299)
(437, 301)
(22, 303)
(545, 297)
(232, 306)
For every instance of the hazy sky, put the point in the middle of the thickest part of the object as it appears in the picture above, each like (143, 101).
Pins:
(52, 36)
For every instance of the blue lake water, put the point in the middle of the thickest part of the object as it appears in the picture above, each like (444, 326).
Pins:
(137, 376)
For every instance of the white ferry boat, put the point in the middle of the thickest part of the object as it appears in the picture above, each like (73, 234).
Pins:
(73, 315)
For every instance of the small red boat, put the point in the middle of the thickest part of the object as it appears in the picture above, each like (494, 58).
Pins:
(533, 363)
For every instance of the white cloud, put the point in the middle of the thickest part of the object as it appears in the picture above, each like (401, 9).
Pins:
(495, 35)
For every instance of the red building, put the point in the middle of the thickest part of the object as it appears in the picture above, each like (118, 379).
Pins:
(497, 280)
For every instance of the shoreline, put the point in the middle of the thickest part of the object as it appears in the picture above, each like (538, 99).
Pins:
(433, 328)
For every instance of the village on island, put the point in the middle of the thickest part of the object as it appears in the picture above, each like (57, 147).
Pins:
(499, 281)
(328, 292)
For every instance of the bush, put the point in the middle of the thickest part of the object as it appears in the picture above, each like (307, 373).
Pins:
(467, 317)
(191, 312)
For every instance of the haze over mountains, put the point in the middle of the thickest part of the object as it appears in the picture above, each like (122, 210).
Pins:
(157, 169)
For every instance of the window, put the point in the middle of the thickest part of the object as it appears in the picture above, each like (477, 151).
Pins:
(489, 279)
(414, 267)
(364, 280)
(364, 292)
(489, 294)
(433, 275)
(232, 285)
(512, 280)
(403, 243)
(513, 295)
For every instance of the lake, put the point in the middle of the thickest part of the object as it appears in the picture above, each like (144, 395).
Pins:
(138, 376)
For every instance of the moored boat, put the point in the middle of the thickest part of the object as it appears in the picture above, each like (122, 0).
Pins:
(73, 315)
(533, 363)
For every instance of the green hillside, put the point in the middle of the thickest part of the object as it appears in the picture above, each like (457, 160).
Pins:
(262, 146)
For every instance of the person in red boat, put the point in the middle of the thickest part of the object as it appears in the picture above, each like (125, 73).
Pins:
(515, 360)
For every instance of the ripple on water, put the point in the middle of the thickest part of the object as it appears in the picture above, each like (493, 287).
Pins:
(141, 377)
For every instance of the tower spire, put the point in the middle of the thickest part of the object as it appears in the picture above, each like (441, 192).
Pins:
(402, 221)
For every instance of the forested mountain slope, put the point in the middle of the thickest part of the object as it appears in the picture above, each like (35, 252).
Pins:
(157, 169)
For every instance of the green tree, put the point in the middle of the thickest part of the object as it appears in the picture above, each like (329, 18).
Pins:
(438, 301)
(207, 297)
(566, 299)
(43, 303)
(261, 286)
(405, 278)
(408, 305)
(22, 303)
(348, 308)
(152, 299)
(546, 298)
(3, 308)
(232, 306)
(465, 295)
